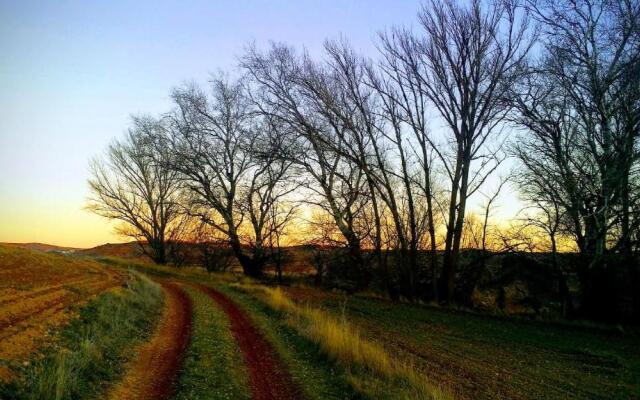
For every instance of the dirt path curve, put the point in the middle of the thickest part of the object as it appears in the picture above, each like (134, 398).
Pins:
(151, 373)
(269, 378)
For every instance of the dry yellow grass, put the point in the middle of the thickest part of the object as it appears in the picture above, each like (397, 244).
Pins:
(343, 343)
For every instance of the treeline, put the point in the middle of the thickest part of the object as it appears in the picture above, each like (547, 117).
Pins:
(386, 153)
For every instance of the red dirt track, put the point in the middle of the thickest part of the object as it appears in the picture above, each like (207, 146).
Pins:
(269, 378)
(152, 372)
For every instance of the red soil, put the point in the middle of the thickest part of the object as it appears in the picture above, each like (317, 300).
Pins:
(152, 372)
(39, 293)
(269, 378)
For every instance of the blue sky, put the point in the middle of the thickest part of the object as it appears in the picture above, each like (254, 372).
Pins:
(72, 72)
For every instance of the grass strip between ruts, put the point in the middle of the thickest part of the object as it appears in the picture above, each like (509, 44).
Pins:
(213, 366)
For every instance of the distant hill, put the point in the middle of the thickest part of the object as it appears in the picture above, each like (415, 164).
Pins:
(123, 250)
(40, 247)
(298, 258)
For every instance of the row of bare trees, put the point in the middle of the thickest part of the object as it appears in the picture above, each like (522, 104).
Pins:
(579, 107)
(363, 129)
(391, 150)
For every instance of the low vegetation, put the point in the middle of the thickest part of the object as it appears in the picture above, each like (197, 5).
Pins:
(343, 343)
(213, 367)
(494, 357)
(91, 350)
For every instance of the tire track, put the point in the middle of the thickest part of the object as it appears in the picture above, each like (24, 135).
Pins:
(269, 378)
(152, 372)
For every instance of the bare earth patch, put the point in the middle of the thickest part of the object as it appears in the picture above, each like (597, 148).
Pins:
(37, 292)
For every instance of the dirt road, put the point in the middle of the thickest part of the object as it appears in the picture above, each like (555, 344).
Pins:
(152, 372)
(269, 378)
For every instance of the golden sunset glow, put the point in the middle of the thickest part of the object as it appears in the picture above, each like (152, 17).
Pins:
(320, 200)
(58, 223)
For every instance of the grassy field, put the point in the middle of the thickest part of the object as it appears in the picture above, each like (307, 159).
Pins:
(367, 366)
(487, 357)
(334, 346)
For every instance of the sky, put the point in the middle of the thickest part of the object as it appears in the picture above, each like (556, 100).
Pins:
(72, 73)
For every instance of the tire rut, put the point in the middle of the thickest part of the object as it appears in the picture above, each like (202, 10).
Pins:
(269, 378)
(152, 372)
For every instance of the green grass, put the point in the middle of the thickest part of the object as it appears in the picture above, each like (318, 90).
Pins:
(90, 351)
(310, 369)
(475, 356)
(213, 366)
(485, 357)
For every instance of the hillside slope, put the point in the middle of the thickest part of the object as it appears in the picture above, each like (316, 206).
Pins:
(37, 292)
(40, 247)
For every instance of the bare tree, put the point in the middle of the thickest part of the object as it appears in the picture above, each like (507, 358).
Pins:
(400, 84)
(469, 58)
(580, 109)
(323, 238)
(371, 131)
(279, 220)
(132, 184)
(215, 253)
(286, 91)
(232, 185)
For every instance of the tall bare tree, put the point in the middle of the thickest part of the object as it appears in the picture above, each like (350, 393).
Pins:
(287, 91)
(232, 184)
(469, 56)
(580, 109)
(400, 82)
(132, 184)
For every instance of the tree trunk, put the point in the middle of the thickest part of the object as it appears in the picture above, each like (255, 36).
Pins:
(251, 266)
(158, 251)
(454, 226)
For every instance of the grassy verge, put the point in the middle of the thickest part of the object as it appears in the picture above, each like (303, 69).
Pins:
(485, 357)
(213, 366)
(318, 377)
(89, 352)
(369, 367)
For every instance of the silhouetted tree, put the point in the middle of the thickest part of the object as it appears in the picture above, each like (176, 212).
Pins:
(580, 110)
(132, 184)
(232, 184)
(470, 58)
(285, 91)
